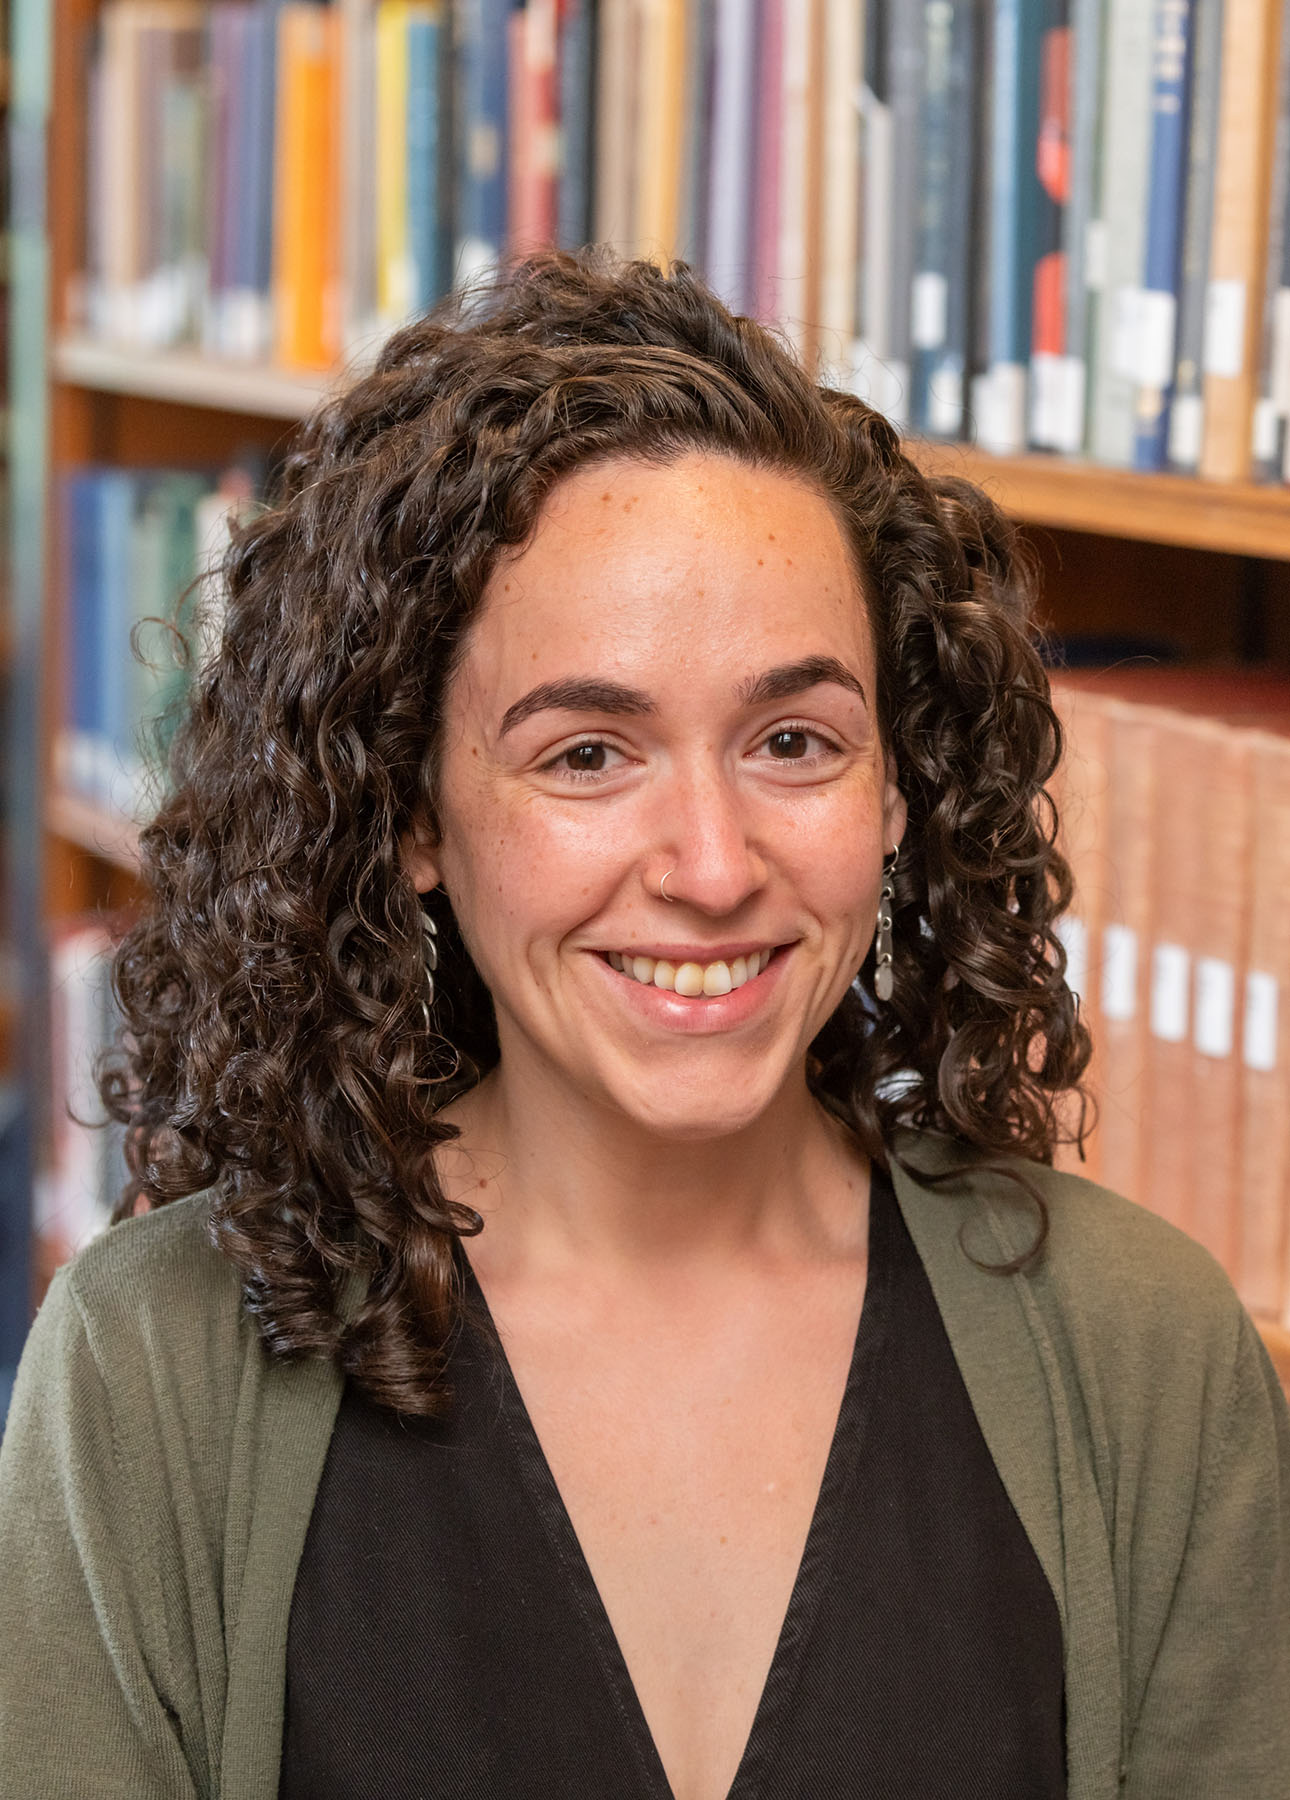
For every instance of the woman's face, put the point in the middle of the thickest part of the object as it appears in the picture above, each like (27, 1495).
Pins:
(675, 677)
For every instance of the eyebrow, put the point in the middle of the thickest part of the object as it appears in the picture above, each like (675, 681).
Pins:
(586, 694)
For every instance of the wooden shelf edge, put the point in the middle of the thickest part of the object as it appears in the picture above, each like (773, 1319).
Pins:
(1241, 519)
(106, 835)
(190, 379)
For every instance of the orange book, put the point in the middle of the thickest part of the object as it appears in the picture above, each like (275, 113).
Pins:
(1080, 791)
(1262, 1260)
(1125, 944)
(659, 127)
(1238, 248)
(1221, 801)
(306, 197)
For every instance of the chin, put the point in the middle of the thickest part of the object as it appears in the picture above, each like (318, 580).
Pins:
(691, 1113)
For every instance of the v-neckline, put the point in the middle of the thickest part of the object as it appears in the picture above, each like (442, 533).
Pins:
(818, 1550)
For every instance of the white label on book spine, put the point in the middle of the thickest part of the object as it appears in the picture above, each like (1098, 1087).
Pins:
(1125, 309)
(1170, 979)
(929, 310)
(1095, 255)
(1224, 328)
(1264, 432)
(1215, 1005)
(945, 398)
(1157, 317)
(1186, 430)
(1259, 1049)
(1119, 972)
(1068, 415)
(1073, 933)
(1280, 383)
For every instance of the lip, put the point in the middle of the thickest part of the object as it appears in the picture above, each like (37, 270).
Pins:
(707, 1014)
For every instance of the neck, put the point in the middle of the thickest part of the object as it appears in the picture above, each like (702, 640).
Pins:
(555, 1181)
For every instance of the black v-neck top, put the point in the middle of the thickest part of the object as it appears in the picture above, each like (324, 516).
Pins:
(447, 1639)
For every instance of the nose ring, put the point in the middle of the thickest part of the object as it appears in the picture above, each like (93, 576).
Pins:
(662, 888)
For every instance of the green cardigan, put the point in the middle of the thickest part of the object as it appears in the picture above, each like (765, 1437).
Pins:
(159, 1471)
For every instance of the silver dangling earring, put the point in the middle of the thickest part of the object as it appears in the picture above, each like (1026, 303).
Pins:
(882, 982)
(431, 931)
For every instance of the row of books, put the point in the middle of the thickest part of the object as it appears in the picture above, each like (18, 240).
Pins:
(132, 542)
(1056, 223)
(1175, 801)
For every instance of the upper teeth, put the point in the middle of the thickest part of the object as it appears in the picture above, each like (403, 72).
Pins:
(691, 979)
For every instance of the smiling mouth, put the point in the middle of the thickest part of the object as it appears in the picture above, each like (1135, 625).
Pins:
(691, 980)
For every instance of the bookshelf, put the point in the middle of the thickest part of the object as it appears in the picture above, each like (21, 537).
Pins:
(1200, 562)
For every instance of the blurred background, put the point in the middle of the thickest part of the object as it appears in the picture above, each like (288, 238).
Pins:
(1049, 238)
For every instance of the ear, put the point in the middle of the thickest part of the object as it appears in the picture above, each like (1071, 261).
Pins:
(895, 812)
(418, 850)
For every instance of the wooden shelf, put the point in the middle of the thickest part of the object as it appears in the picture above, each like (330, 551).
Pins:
(1242, 519)
(190, 379)
(103, 834)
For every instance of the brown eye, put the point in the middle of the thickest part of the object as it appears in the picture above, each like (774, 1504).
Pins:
(586, 759)
(789, 745)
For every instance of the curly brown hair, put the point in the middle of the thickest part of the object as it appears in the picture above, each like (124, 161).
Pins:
(276, 1047)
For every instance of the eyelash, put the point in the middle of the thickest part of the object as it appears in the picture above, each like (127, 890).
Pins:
(789, 727)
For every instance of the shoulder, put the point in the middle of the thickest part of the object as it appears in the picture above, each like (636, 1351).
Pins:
(1114, 1284)
(159, 1309)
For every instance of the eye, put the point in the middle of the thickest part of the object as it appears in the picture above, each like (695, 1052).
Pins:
(584, 761)
(797, 744)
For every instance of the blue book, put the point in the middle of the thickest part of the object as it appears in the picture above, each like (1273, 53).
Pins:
(939, 309)
(80, 719)
(251, 244)
(1162, 259)
(1015, 207)
(482, 49)
(577, 116)
(427, 226)
(118, 491)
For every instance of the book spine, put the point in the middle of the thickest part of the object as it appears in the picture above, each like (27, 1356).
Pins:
(1178, 906)
(482, 149)
(733, 153)
(1088, 21)
(1125, 948)
(427, 227)
(692, 226)
(905, 89)
(306, 245)
(1271, 438)
(1186, 410)
(1014, 223)
(840, 175)
(765, 225)
(394, 271)
(1162, 256)
(1261, 1270)
(1120, 231)
(1081, 795)
(1048, 302)
(577, 105)
(940, 278)
(660, 118)
(615, 127)
(1246, 129)
(871, 350)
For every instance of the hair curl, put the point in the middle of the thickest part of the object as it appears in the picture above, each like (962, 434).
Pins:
(276, 1050)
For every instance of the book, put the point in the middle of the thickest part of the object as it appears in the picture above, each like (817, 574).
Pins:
(1238, 245)
(1069, 377)
(939, 298)
(306, 244)
(576, 25)
(428, 164)
(1000, 396)
(1172, 59)
(660, 118)
(732, 153)
(1118, 234)
(1270, 446)
(839, 201)
(1186, 408)
(481, 154)
(1048, 369)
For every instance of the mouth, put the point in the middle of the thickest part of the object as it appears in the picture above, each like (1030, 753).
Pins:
(691, 980)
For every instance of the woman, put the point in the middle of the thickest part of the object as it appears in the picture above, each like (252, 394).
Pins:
(606, 1322)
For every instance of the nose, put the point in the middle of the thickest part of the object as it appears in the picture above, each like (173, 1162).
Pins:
(707, 849)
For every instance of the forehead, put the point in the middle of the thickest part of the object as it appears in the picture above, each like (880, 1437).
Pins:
(699, 563)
